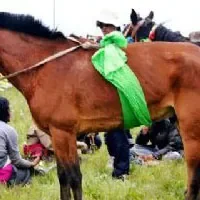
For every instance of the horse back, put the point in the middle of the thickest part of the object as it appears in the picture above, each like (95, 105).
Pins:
(164, 69)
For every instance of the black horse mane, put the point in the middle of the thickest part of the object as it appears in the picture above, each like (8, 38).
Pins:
(29, 25)
(164, 34)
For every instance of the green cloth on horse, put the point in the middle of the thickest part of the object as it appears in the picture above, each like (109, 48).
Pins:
(110, 61)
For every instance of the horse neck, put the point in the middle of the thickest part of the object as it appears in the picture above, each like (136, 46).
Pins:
(164, 34)
(19, 51)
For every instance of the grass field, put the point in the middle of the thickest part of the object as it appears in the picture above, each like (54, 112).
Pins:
(166, 181)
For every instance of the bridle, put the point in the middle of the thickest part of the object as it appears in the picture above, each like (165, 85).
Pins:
(135, 29)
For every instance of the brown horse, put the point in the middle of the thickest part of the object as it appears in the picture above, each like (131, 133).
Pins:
(67, 96)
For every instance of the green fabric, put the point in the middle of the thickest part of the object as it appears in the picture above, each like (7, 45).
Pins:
(110, 61)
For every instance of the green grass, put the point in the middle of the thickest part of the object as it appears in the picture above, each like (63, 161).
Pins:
(166, 181)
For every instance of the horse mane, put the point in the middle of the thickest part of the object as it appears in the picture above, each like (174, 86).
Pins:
(29, 25)
(164, 34)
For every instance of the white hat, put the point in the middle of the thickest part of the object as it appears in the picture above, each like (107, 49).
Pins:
(108, 17)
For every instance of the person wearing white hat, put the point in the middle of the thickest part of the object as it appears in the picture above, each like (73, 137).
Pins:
(107, 22)
(117, 140)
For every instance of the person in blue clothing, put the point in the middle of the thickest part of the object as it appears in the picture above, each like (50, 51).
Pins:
(118, 145)
(117, 140)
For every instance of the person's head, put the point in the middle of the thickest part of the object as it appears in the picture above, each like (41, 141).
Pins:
(108, 22)
(4, 110)
(160, 125)
(143, 27)
(145, 129)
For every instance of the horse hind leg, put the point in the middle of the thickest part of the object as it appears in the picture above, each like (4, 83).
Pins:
(189, 122)
(68, 169)
(193, 167)
(192, 149)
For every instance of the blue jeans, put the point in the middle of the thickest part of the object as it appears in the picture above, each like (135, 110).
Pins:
(142, 150)
(118, 147)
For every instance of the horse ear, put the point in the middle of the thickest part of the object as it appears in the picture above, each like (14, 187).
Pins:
(151, 15)
(134, 17)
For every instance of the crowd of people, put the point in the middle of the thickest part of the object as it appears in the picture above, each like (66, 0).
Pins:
(159, 141)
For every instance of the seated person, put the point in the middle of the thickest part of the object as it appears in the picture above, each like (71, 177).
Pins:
(38, 144)
(91, 140)
(82, 148)
(165, 141)
(13, 168)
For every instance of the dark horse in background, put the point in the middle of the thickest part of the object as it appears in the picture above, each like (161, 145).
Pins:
(67, 97)
(147, 28)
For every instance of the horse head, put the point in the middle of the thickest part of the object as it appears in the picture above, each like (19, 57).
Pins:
(141, 27)
(146, 28)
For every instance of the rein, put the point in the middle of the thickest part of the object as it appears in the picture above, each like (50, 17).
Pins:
(136, 28)
(127, 30)
(48, 59)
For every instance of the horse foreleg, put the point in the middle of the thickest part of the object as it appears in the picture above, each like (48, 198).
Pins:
(63, 180)
(64, 144)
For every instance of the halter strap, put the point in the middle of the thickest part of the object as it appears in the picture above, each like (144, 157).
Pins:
(136, 28)
(127, 30)
(48, 59)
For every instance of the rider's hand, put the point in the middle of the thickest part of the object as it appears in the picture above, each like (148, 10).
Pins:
(90, 45)
(86, 45)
